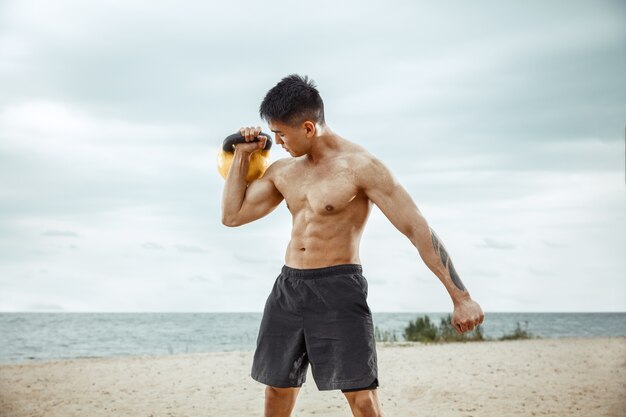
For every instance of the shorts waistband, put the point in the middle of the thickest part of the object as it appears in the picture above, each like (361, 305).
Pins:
(326, 271)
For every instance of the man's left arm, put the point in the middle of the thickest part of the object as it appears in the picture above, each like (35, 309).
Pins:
(394, 201)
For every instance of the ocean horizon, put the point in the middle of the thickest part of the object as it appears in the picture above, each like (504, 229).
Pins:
(39, 336)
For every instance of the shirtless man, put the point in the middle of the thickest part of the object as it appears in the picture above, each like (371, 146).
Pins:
(317, 311)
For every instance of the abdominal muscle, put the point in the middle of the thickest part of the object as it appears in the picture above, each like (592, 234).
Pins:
(319, 241)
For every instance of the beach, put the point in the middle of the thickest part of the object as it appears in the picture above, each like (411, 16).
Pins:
(537, 377)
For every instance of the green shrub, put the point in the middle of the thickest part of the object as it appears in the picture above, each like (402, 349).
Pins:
(425, 331)
(518, 333)
(421, 330)
(385, 336)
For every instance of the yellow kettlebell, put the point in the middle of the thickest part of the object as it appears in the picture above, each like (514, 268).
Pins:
(259, 160)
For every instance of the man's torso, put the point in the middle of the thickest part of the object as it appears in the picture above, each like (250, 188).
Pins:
(328, 208)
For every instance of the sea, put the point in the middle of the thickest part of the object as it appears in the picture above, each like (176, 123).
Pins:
(31, 337)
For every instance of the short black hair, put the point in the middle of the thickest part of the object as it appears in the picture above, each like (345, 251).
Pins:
(292, 101)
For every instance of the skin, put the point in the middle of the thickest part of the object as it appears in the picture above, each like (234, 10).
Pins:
(329, 185)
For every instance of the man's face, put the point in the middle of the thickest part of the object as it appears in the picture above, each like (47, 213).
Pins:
(292, 139)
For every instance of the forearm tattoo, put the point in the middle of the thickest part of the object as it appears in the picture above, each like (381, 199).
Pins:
(446, 261)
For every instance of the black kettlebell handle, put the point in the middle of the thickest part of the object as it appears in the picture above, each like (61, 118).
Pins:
(238, 138)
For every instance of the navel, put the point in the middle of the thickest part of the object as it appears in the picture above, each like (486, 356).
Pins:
(302, 249)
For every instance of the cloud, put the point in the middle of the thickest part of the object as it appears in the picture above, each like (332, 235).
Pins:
(199, 279)
(491, 243)
(249, 259)
(152, 246)
(485, 273)
(227, 276)
(189, 249)
(540, 272)
(60, 233)
(44, 307)
(554, 245)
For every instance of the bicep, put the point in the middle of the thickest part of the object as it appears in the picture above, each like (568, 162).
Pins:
(260, 199)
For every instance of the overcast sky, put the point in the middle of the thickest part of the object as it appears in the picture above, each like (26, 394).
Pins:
(505, 122)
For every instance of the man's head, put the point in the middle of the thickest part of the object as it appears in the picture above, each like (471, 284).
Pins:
(293, 110)
(293, 101)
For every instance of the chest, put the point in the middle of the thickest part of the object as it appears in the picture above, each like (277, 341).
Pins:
(325, 190)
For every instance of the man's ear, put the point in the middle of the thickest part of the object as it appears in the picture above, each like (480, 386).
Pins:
(310, 128)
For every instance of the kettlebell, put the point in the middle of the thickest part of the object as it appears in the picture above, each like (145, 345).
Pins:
(259, 160)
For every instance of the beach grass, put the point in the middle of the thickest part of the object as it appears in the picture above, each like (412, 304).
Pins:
(424, 330)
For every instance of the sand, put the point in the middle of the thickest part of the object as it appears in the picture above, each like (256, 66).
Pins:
(540, 377)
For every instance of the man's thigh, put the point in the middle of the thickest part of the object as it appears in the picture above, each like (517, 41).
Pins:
(280, 358)
(339, 332)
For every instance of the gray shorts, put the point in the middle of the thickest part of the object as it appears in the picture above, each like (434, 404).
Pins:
(318, 316)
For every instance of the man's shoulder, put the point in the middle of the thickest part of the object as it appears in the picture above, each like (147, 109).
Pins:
(365, 166)
(278, 166)
(280, 163)
(358, 157)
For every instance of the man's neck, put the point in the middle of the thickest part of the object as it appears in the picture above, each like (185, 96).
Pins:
(323, 144)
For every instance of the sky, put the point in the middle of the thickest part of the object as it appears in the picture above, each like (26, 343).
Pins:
(505, 121)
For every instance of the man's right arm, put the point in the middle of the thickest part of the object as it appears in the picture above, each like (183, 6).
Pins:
(242, 202)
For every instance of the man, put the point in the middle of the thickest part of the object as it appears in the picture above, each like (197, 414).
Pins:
(317, 311)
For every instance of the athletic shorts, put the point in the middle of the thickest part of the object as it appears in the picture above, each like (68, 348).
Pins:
(318, 316)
